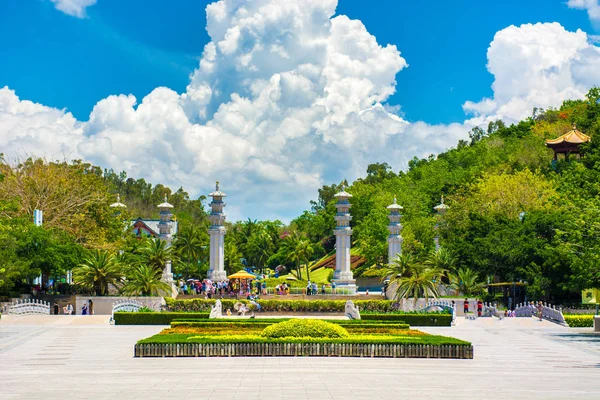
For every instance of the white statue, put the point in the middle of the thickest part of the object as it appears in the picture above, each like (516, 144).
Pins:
(352, 310)
(217, 310)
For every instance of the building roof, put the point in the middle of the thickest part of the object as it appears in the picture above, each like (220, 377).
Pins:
(395, 206)
(217, 191)
(118, 203)
(152, 225)
(343, 193)
(573, 137)
(165, 204)
(441, 207)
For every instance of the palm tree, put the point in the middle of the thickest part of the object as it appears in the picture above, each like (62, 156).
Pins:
(99, 270)
(233, 258)
(155, 253)
(412, 278)
(466, 281)
(188, 246)
(305, 251)
(442, 259)
(145, 280)
(290, 249)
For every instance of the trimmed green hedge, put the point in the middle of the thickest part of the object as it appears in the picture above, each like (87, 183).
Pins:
(362, 339)
(304, 328)
(153, 318)
(580, 321)
(381, 306)
(412, 319)
(276, 320)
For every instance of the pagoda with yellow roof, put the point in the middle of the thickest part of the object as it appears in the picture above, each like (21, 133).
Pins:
(569, 143)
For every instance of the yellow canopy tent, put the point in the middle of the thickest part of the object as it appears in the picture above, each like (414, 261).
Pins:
(242, 275)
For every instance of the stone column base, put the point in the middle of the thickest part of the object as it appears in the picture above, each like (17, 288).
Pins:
(215, 275)
(597, 323)
(345, 286)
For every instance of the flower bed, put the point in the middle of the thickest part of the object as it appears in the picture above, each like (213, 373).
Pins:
(382, 306)
(579, 321)
(298, 337)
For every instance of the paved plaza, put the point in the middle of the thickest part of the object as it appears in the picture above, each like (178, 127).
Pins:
(77, 358)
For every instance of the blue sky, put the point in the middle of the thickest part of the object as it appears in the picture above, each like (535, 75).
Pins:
(134, 46)
(285, 98)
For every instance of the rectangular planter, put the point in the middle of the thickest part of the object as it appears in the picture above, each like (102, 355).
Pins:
(302, 349)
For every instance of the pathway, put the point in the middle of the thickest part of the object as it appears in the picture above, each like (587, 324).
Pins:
(514, 359)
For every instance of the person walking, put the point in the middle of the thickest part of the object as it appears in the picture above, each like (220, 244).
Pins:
(466, 306)
(540, 310)
(84, 309)
(90, 307)
(479, 307)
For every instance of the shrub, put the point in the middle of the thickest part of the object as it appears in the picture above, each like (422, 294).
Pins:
(580, 321)
(304, 328)
(153, 318)
(413, 319)
(381, 306)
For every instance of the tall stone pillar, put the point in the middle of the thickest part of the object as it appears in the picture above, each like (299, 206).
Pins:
(395, 227)
(216, 231)
(164, 231)
(440, 210)
(342, 276)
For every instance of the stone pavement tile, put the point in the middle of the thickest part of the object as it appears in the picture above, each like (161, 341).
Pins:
(543, 361)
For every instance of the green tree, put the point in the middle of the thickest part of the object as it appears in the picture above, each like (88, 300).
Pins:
(144, 280)
(98, 271)
(155, 254)
(411, 278)
(441, 259)
(467, 282)
(188, 247)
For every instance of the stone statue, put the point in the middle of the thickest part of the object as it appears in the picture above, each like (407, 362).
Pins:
(217, 310)
(351, 310)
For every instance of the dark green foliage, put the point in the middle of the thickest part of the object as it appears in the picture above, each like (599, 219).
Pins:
(413, 319)
(281, 305)
(579, 321)
(153, 318)
(304, 328)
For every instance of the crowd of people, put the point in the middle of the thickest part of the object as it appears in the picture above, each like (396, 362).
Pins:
(230, 288)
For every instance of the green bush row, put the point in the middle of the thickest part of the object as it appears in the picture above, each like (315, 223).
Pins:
(304, 328)
(275, 320)
(382, 306)
(412, 319)
(153, 318)
(580, 321)
(362, 339)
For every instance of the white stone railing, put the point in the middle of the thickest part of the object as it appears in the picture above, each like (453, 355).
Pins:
(446, 305)
(489, 310)
(29, 307)
(127, 305)
(549, 312)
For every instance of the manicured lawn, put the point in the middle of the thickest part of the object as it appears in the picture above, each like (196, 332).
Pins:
(250, 331)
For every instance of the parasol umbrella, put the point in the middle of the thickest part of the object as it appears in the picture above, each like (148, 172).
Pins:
(242, 275)
(291, 278)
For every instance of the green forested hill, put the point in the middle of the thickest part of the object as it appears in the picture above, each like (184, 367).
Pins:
(513, 214)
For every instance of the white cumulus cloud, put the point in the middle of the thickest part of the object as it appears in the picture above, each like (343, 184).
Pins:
(288, 97)
(536, 65)
(74, 8)
(591, 6)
